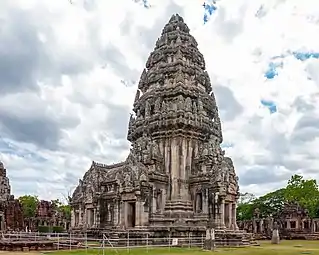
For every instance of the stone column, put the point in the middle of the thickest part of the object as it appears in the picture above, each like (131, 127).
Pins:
(205, 201)
(94, 217)
(145, 214)
(222, 213)
(115, 213)
(72, 218)
(123, 213)
(80, 217)
(235, 217)
(175, 165)
(230, 217)
(138, 213)
(288, 224)
(98, 219)
(154, 197)
(182, 147)
(88, 215)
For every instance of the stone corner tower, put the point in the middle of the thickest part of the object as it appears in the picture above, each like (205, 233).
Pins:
(176, 133)
(5, 188)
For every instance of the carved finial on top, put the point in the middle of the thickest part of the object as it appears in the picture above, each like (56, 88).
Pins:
(176, 18)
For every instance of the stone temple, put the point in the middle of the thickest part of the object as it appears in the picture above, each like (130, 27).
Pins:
(176, 179)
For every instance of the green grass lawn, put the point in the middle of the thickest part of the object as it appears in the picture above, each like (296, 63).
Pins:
(265, 248)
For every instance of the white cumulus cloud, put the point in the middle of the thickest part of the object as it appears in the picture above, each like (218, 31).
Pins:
(69, 72)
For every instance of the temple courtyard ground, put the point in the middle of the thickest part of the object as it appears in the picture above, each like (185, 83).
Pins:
(265, 248)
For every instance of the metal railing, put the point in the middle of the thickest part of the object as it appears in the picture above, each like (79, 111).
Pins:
(83, 241)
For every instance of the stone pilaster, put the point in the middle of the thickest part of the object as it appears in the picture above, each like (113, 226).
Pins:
(72, 218)
(138, 213)
(94, 217)
(115, 213)
(80, 217)
(254, 226)
(234, 216)
(205, 201)
(230, 218)
(154, 197)
(222, 213)
(123, 213)
(175, 169)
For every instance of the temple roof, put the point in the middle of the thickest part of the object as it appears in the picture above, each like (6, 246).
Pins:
(175, 54)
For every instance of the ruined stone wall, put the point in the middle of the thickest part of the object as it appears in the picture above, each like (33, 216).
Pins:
(14, 215)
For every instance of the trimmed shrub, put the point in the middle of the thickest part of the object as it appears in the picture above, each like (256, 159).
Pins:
(44, 229)
(57, 229)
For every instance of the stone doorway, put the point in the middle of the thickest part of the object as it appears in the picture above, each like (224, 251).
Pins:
(131, 207)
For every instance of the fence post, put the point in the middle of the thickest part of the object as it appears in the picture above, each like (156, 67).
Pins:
(58, 241)
(128, 241)
(147, 242)
(86, 242)
(169, 241)
(70, 240)
(103, 244)
(189, 240)
(202, 241)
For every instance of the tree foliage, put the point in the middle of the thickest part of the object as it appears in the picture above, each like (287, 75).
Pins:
(245, 209)
(29, 205)
(304, 192)
(298, 190)
(60, 207)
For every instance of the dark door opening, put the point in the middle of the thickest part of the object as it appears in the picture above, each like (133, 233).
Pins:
(131, 215)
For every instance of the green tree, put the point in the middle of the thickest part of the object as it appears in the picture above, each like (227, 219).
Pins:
(304, 192)
(272, 203)
(29, 205)
(245, 208)
(246, 198)
(66, 210)
(56, 203)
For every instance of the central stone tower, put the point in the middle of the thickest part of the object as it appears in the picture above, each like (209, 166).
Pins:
(176, 178)
(176, 114)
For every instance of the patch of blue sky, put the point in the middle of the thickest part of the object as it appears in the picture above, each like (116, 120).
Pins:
(145, 3)
(277, 61)
(272, 107)
(209, 7)
(305, 55)
(272, 71)
(226, 145)
(8, 148)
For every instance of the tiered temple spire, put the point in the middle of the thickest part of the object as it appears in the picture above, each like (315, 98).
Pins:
(176, 175)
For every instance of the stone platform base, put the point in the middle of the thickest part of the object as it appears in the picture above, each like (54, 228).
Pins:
(172, 236)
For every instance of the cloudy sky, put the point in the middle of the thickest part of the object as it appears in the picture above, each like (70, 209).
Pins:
(69, 71)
